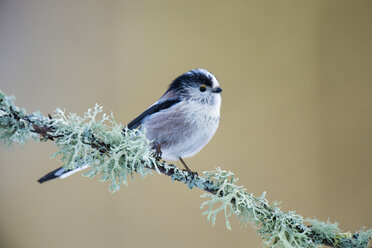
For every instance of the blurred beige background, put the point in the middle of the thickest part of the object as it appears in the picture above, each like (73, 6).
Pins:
(296, 114)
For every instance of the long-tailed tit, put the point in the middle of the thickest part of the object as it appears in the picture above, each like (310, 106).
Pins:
(180, 123)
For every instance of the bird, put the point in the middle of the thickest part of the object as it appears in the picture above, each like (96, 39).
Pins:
(180, 123)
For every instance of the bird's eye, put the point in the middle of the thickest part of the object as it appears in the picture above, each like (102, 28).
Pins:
(202, 88)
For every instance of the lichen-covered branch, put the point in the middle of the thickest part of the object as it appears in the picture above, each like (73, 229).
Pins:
(116, 153)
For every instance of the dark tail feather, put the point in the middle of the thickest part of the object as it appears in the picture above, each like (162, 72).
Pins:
(52, 175)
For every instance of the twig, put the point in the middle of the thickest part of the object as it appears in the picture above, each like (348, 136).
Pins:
(85, 137)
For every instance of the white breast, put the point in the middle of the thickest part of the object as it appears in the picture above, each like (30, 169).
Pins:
(198, 127)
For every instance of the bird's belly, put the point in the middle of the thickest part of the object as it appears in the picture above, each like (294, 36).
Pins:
(182, 138)
(189, 145)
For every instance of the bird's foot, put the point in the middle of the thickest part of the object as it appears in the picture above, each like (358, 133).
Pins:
(193, 173)
(158, 152)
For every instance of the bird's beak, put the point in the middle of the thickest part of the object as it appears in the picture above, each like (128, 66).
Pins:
(217, 90)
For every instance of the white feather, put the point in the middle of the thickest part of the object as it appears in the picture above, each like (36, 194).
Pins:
(63, 176)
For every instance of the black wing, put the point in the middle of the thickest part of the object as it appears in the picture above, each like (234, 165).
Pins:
(153, 109)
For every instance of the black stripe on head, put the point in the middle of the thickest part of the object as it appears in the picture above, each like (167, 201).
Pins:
(194, 78)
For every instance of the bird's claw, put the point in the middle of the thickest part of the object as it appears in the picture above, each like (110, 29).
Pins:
(158, 153)
(193, 174)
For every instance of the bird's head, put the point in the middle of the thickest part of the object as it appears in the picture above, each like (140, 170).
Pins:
(196, 85)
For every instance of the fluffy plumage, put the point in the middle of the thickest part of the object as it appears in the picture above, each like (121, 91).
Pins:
(182, 121)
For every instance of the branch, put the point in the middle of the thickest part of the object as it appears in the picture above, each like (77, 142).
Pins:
(115, 153)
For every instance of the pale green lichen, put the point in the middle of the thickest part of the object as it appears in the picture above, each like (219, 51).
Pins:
(13, 127)
(277, 228)
(333, 234)
(129, 151)
(116, 153)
